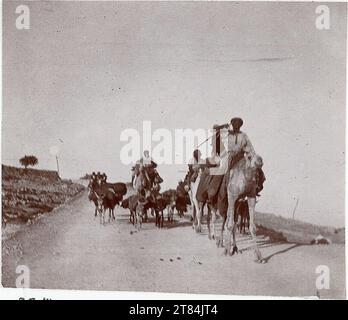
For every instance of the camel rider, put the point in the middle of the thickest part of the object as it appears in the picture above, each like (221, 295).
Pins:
(194, 165)
(240, 145)
(149, 166)
(147, 161)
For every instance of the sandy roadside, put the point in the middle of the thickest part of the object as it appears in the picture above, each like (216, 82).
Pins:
(69, 249)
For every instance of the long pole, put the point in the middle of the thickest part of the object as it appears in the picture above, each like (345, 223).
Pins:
(293, 212)
(205, 141)
(57, 164)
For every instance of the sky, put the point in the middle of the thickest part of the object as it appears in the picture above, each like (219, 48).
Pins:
(86, 71)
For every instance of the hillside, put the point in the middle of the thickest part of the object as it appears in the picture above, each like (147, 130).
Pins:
(27, 193)
(284, 229)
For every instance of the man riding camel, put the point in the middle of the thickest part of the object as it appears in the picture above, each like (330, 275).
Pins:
(194, 165)
(149, 166)
(239, 145)
(146, 160)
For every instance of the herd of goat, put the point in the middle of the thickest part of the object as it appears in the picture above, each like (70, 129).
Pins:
(106, 196)
(168, 201)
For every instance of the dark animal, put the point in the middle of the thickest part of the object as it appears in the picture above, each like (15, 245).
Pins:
(125, 203)
(119, 188)
(106, 195)
(110, 199)
(241, 212)
(93, 197)
(137, 205)
(131, 204)
(160, 205)
(170, 200)
(155, 202)
(93, 186)
(182, 199)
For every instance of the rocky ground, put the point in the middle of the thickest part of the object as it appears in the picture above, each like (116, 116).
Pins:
(27, 194)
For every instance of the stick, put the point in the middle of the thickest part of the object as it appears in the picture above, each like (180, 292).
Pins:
(293, 212)
(205, 141)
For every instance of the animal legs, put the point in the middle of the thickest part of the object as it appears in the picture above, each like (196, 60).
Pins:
(156, 218)
(208, 224)
(231, 224)
(134, 217)
(139, 219)
(102, 216)
(213, 215)
(252, 228)
(220, 241)
(194, 208)
(199, 217)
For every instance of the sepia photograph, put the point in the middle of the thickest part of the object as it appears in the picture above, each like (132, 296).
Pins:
(174, 147)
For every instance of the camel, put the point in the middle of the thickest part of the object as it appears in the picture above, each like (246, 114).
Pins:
(147, 190)
(217, 206)
(197, 207)
(242, 183)
(141, 183)
(215, 209)
(142, 187)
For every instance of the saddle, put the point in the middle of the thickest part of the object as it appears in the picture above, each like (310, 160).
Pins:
(152, 175)
(255, 179)
(260, 179)
(209, 186)
(212, 186)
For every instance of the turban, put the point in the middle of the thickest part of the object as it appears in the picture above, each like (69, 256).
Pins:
(238, 122)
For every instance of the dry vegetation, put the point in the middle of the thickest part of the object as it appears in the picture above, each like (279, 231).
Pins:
(27, 193)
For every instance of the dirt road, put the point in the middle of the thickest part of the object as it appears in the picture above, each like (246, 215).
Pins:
(69, 249)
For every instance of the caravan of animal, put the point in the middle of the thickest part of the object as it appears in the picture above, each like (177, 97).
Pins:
(226, 183)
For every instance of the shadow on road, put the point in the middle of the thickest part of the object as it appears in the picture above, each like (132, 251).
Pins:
(176, 224)
(266, 259)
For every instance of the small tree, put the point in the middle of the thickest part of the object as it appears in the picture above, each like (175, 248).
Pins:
(28, 161)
